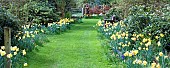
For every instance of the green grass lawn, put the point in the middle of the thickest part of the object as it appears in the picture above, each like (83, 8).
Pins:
(76, 48)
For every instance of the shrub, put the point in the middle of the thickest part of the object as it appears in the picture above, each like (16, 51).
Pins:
(41, 12)
(8, 20)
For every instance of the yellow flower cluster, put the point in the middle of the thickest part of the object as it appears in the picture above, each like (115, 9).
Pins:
(27, 34)
(141, 43)
(24, 52)
(14, 50)
(160, 54)
(99, 23)
(9, 55)
(147, 41)
(138, 61)
(107, 24)
(155, 65)
(65, 21)
(160, 35)
(131, 53)
(25, 64)
(119, 35)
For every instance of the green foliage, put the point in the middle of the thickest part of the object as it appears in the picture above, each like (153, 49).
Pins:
(40, 12)
(143, 16)
(116, 12)
(68, 15)
(8, 20)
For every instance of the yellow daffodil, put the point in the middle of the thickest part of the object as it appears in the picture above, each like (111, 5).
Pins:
(127, 35)
(113, 37)
(115, 24)
(160, 54)
(42, 31)
(145, 40)
(144, 62)
(137, 36)
(129, 43)
(139, 48)
(158, 66)
(141, 35)
(130, 54)
(157, 58)
(153, 65)
(119, 47)
(119, 36)
(146, 49)
(135, 52)
(19, 38)
(162, 35)
(3, 53)
(15, 53)
(3, 47)
(126, 53)
(134, 35)
(149, 40)
(134, 62)
(16, 36)
(134, 39)
(99, 23)
(23, 37)
(25, 64)
(139, 61)
(36, 32)
(9, 55)
(32, 35)
(17, 49)
(28, 35)
(13, 48)
(123, 34)
(117, 33)
(121, 43)
(24, 52)
(141, 43)
(159, 44)
(156, 37)
(147, 44)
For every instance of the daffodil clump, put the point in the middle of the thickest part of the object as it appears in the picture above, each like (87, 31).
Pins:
(134, 48)
(30, 38)
(33, 35)
(15, 55)
(65, 21)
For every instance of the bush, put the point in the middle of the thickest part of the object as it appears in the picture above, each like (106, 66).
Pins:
(41, 12)
(114, 12)
(8, 20)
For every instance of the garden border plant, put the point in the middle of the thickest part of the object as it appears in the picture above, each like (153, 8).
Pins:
(146, 47)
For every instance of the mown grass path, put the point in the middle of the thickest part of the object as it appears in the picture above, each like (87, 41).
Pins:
(76, 48)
